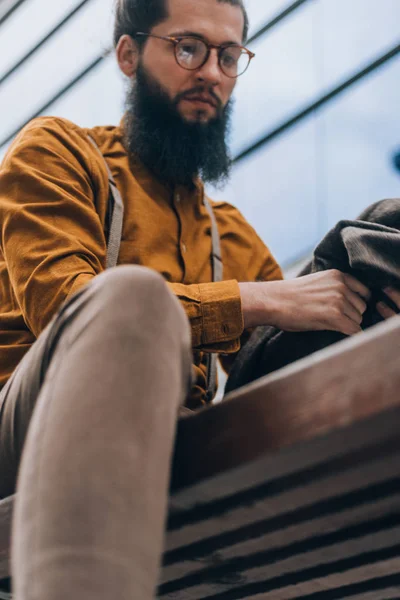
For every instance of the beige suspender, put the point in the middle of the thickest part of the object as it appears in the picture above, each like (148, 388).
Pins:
(116, 212)
(217, 271)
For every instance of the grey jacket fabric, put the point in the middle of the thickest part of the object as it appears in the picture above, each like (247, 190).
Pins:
(367, 248)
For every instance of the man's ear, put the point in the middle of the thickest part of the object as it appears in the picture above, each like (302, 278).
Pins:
(127, 52)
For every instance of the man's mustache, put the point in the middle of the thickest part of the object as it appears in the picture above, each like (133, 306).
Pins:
(200, 90)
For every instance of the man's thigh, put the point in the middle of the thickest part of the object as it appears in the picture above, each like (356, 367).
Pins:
(101, 302)
(17, 402)
(19, 395)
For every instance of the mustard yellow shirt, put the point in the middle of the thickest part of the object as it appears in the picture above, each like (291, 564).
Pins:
(53, 203)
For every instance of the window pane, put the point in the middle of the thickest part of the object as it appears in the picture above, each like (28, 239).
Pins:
(97, 100)
(354, 33)
(281, 78)
(361, 135)
(328, 168)
(6, 6)
(80, 42)
(275, 189)
(261, 13)
(30, 23)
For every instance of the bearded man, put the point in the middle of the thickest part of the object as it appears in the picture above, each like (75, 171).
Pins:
(97, 362)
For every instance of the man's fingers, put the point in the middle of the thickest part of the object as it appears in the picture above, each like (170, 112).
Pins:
(394, 295)
(357, 302)
(353, 313)
(349, 327)
(385, 311)
(357, 286)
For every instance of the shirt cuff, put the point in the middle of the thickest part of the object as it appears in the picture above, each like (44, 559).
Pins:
(221, 309)
(215, 314)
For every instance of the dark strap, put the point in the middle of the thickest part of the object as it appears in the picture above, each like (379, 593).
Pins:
(116, 212)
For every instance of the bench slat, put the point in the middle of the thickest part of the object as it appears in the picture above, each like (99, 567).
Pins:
(296, 529)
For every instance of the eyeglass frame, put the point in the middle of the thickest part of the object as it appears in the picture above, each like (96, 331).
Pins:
(220, 47)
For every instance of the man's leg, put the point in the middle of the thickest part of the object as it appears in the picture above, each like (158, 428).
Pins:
(92, 487)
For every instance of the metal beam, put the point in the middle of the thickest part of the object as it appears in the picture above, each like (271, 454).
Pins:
(277, 19)
(8, 9)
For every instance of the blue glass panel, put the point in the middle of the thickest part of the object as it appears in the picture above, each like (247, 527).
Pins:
(360, 136)
(280, 79)
(97, 100)
(311, 51)
(6, 6)
(354, 33)
(27, 26)
(276, 191)
(59, 61)
(261, 12)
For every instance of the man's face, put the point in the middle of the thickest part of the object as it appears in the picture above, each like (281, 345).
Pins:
(217, 23)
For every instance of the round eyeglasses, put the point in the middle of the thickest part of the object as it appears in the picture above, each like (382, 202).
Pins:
(192, 53)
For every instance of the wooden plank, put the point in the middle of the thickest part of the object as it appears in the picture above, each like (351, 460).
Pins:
(352, 380)
(273, 498)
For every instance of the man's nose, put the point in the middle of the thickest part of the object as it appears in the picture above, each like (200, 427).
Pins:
(211, 71)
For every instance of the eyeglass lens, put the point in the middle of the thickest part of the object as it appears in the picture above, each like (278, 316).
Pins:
(191, 54)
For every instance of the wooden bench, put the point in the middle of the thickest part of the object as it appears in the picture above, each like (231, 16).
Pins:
(291, 487)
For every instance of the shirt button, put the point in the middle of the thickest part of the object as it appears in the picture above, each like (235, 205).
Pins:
(184, 248)
(178, 198)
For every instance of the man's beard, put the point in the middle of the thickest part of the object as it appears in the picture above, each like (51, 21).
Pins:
(175, 150)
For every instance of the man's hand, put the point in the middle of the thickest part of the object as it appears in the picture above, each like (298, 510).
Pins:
(329, 300)
(385, 311)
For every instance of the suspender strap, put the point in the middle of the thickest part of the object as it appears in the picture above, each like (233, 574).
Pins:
(217, 270)
(217, 266)
(116, 212)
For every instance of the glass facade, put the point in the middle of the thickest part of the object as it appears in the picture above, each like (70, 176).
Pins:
(275, 189)
(359, 138)
(280, 79)
(317, 163)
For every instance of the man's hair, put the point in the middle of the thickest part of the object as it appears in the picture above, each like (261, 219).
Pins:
(132, 16)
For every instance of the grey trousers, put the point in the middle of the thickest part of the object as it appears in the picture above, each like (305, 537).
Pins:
(87, 424)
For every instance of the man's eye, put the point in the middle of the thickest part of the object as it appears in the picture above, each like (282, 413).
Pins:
(229, 60)
(188, 49)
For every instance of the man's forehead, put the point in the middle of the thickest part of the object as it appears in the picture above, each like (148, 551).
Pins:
(217, 21)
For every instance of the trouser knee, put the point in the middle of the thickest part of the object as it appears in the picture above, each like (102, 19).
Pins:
(137, 298)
